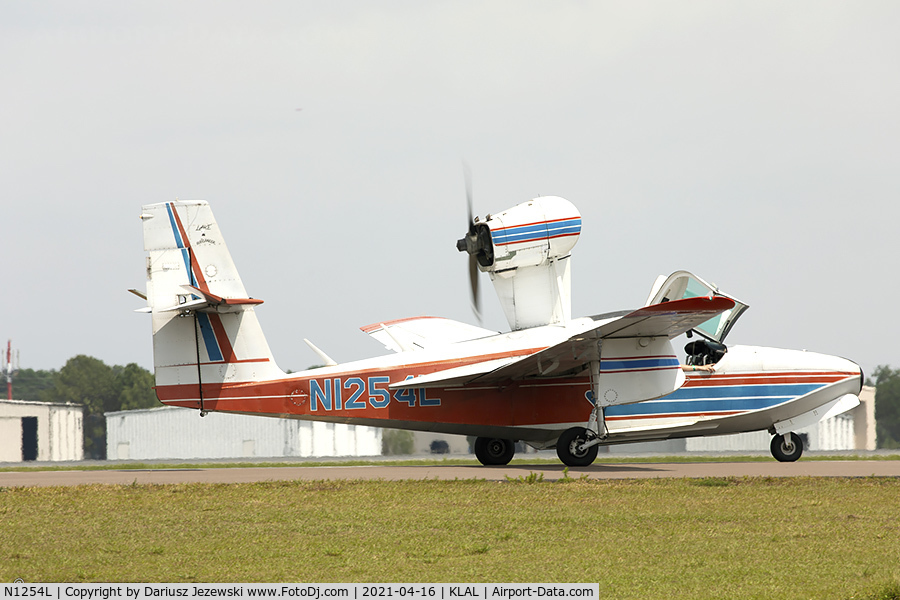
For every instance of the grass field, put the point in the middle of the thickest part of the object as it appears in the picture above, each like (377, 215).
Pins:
(681, 538)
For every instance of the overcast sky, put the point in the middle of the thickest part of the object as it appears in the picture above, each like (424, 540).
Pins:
(756, 144)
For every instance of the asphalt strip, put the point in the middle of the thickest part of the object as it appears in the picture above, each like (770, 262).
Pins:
(550, 472)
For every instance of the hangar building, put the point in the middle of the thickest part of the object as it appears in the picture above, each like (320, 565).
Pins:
(40, 431)
(170, 432)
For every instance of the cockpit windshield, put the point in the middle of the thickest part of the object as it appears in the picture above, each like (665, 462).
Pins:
(683, 284)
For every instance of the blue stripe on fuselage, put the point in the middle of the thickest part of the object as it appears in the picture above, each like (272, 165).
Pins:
(640, 363)
(743, 391)
(719, 398)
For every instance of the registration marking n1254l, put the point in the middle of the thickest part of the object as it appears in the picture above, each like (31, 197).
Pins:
(353, 393)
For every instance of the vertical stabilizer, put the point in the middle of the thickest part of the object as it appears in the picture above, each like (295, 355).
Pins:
(204, 325)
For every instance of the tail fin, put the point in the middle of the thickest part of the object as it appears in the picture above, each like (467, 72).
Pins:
(205, 330)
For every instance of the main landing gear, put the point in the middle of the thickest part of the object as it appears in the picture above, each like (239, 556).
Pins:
(578, 446)
(572, 450)
(787, 447)
(494, 451)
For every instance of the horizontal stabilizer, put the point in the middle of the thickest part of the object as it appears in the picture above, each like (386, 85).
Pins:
(417, 333)
(214, 300)
(209, 302)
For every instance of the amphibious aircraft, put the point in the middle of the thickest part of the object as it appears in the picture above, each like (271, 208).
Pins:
(551, 381)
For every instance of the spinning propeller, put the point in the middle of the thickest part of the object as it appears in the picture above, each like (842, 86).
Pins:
(477, 242)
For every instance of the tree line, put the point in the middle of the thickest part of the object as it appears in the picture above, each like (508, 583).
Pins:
(102, 388)
(95, 385)
(887, 406)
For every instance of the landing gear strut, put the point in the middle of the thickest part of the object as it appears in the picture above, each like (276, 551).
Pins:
(571, 450)
(787, 447)
(494, 451)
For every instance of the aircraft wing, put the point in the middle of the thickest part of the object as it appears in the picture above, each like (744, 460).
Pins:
(669, 319)
(665, 320)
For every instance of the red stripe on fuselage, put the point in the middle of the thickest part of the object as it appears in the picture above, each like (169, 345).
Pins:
(717, 380)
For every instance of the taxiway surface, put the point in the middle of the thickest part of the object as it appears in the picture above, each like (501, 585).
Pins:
(550, 472)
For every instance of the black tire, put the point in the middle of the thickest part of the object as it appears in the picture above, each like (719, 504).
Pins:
(786, 448)
(567, 444)
(494, 451)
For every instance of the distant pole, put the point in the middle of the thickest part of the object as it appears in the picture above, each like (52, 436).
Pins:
(10, 369)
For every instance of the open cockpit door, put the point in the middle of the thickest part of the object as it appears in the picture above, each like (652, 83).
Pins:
(682, 284)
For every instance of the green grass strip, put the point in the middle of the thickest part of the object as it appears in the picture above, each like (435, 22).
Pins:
(666, 538)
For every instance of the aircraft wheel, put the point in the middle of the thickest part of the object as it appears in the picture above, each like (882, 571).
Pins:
(567, 447)
(786, 448)
(494, 451)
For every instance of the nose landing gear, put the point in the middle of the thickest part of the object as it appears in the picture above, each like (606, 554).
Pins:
(787, 447)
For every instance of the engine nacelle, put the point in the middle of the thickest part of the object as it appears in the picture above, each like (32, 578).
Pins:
(531, 234)
(525, 249)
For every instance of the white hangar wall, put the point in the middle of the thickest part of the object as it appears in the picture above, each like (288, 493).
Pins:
(179, 433)
(40, 431)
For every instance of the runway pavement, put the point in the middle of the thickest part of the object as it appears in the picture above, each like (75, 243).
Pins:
(551, 472)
